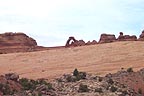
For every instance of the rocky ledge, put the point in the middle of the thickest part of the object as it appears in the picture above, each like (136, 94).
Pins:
(17, 42)
(123, 83)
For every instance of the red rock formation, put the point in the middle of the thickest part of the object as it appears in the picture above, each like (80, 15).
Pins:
(107, 38)
(74, 42)
(16, 39)
(91, 43)
(17, 42)
(141, 37)
(69, 40)
(126, 37)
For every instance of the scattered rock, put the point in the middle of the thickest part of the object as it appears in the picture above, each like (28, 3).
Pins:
(122, 83)
(12, 76)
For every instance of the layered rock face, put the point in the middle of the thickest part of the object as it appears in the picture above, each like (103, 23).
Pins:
(16, 39)
(107, 38)
(18, 42)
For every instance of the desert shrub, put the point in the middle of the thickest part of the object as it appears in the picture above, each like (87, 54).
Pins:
(49, 85)
(32, 84)
(99, 90)
(5, 89)
(130, 70)
(26, 84)
(113, 89)
(43, 82)
(140, 91)
(76, 76)
(75, 72)
(83, 88)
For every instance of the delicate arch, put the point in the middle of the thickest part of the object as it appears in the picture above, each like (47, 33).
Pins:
(68, 41)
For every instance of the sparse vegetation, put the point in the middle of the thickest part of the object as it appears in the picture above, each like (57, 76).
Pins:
(70, 85)
(76, 76)
(130, 70)
(32, 84)
(75, 72)
(5, 89)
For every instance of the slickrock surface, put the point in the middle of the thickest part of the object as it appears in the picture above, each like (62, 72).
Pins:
(99, 59)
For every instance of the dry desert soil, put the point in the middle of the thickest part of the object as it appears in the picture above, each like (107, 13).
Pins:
(98, 59)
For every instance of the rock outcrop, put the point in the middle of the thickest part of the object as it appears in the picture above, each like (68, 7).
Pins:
(122, 83)
(141, 37)
(107, 38)
(18, 42)
(126, 37)
(73, 42)
(16, 39)
(91, 43)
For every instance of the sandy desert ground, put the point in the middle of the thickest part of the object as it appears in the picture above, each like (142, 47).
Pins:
(98, 59)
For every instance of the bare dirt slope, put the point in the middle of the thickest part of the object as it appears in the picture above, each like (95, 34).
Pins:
(98, 59)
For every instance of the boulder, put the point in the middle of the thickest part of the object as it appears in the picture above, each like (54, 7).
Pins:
(107, 38)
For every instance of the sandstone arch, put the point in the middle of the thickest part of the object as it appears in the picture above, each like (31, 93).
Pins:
(69, 40)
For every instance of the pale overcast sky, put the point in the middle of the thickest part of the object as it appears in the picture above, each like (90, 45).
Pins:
(51, 22)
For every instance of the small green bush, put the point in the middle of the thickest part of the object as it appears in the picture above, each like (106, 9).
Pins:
(76, 76)
(75, 72)
(32, 84)
(26, 84)
(83, 88)
(130, 70)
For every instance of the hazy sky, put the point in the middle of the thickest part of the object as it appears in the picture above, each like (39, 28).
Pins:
(51, 22)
